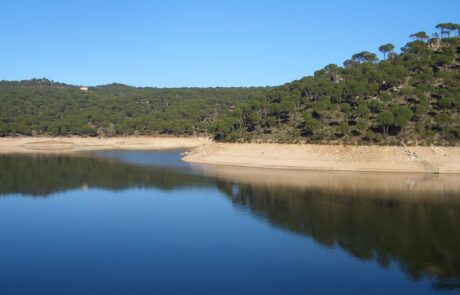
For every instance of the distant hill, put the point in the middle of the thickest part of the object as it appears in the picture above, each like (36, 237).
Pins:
(412, 97)
(43, 107)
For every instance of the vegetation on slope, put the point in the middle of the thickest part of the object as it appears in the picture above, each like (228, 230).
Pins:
(411, 97)
(43, 107)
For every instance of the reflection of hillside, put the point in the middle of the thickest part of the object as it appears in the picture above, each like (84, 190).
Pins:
(421, 235)
(373, 185)
(410, 219)
(42, 175)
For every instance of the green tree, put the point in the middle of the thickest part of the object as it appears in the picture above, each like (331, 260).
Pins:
(385, 119)
(311, 124)
(344, 128)
(447, 28)
(386, 49)
(401, 122)
(446, 102)
(422, 36)
(364, 56)
(362, 110)
(443, 120)
(362, 126)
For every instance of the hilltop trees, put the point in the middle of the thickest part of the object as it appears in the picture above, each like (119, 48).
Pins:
(446, 29)
(412, 97)
(364, 57)
(421, 36)
(386, 49)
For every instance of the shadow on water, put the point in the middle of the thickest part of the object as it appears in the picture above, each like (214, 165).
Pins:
(409, 219)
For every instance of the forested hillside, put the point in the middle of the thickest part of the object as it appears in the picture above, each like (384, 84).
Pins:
(43, 107)
(411, 97)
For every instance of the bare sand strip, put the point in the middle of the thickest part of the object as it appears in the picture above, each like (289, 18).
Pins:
(304, 157)
(330, 157)
(80, 144)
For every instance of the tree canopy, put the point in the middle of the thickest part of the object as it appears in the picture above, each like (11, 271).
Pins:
(43, 107)
(412, 96)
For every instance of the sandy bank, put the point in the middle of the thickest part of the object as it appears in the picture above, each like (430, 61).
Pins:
(304, 157)
(79, 144)
(331, 157)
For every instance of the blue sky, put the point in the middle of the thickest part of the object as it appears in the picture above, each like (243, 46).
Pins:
(172, 43)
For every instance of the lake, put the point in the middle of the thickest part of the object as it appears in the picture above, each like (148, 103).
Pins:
(143, 222)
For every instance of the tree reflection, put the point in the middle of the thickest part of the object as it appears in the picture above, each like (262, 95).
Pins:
(42, 175)
(419, 233)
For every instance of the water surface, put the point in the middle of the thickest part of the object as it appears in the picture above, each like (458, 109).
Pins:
(127, 222)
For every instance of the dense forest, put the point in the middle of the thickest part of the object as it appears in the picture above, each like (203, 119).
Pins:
(43, 107)
(410, 97)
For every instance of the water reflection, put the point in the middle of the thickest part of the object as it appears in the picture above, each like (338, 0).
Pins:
(43, 175)
(421, 235)
(410, 219)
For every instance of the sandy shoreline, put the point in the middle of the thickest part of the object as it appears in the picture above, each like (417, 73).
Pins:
(331, 157)
(303, 157)
(80, 144)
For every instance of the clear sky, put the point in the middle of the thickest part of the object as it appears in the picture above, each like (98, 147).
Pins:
(167, 43)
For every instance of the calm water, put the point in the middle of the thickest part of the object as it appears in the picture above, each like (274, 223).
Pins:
(146, 223)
